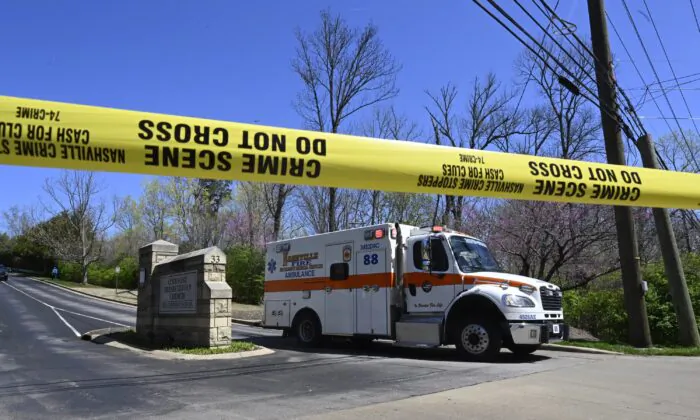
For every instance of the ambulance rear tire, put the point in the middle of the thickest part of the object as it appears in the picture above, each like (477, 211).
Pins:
(478, 339)
(308, 330)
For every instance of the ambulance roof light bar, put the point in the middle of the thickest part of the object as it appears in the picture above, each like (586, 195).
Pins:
(430, 229)
(377, 233)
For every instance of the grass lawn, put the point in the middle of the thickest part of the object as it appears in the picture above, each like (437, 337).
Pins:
(71, 284)
(627, 349)
(130, 337)
(235, 347)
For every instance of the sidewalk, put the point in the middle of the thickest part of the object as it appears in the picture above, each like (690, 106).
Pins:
(620, 388)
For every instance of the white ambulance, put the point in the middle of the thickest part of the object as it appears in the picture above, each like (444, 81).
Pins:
(414, 286)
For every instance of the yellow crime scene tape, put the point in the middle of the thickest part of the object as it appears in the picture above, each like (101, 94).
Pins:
(48, 134)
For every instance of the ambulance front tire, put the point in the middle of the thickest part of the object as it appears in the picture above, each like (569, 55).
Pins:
(478, 339)
(307, 329)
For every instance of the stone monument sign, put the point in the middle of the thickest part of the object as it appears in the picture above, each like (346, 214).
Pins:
(183, 300)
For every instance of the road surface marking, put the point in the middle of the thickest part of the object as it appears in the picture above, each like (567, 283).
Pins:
(65, 289)
(93, 317)
(56, 309)
(77, 334)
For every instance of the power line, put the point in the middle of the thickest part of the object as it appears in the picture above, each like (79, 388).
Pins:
(695, 15)
(532, 68)
(614, 115)
(673, 72)
(669, 80)
(646, 52)
(631, 108)
(634, 64)
(544, 62)
(669, 118)
(647, 90)
(596, 63)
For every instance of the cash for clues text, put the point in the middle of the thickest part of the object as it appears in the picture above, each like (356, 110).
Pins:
(172, 152)
(39, 141)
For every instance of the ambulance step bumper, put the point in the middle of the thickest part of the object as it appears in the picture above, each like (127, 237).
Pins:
(531, 333)
(419, 331)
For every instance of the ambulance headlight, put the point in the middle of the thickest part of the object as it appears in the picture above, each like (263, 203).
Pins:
(517, 301)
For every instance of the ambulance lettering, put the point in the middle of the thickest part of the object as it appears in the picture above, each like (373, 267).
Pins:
(299, 265)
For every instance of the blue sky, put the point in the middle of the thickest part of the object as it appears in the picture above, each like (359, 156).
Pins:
(231, 60)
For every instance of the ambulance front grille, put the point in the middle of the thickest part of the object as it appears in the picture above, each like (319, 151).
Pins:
(551, 299)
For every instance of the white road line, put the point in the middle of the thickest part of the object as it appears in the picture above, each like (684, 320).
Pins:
(92, 317)
(82, 294)
(56, 309)
(77, 334)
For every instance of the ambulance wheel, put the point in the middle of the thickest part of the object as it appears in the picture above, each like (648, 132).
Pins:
(478, 339)
(308, 330)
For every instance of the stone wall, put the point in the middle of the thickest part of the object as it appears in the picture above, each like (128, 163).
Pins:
(183, 300)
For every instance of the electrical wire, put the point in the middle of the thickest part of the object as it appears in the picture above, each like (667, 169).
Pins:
(544, 62)
(673, 72)
(672, 80)
(532, 68)
(695, 15)
(646, 52)
(613, 114)
(648, 89)
(551, 15)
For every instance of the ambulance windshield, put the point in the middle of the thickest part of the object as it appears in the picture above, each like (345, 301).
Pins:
(472, 255)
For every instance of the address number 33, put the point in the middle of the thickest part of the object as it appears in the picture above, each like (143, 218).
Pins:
(215, 259)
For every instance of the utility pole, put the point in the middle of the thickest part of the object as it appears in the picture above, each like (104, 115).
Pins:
(638, 322)
(688, 328)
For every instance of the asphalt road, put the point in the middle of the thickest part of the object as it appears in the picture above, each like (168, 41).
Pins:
(46, 371)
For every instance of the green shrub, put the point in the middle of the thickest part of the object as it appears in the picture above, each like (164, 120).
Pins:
(245, 273)
(602, 312)
(599, 312)
(101, 275)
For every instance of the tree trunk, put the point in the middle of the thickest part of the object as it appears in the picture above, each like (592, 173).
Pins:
(375, 202)
(331, 210)
(277, 216)
(85, 272)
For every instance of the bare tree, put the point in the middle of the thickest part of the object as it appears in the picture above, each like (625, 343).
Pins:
(576, 132)
(195, 206)
(251, 215)
(490, 119)
(276, 196)
(344, 71)
(564, 242)
(128, 219)
(155, 211)
(387, 123)
(681, 152)
(18, 220)
(79, 219)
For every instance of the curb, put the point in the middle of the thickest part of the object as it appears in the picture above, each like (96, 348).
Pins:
(576, 349)
(95, 335)
(83, 293)
(250, 322)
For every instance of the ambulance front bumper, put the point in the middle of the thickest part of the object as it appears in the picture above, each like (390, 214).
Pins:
(538, 333)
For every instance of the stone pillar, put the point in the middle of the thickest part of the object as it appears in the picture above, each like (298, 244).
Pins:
(186, 300)
(216, 299)
(150, 255)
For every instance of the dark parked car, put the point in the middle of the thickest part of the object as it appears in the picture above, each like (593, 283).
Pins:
(4, 273)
